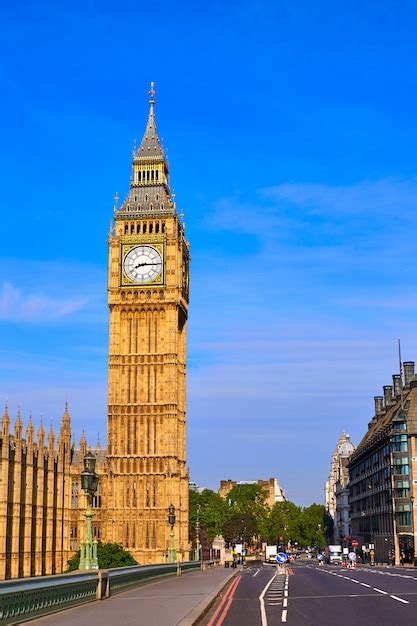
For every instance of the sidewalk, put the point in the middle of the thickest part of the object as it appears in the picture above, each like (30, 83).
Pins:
(167, 602)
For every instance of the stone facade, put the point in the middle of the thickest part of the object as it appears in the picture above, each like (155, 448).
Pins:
(274, 492)
(143, 471)
(336, 489)
(148, 302)
(41, 504)
(383, 474)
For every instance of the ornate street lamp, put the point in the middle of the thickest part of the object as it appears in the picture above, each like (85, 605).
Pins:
(89, 483)
(172, 555)
(197, 534)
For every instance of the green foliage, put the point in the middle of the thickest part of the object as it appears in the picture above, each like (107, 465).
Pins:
(248, 499)
(108, 554)
(240, 527)
(313, 525)
(245, 513)
(283, 521)
(212, 511)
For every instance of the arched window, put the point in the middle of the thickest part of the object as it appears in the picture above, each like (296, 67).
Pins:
(144, 228)
(138, 228)
(132, 229)
(126, 229)
(157, 175)
(147, 175)
(163, 227)
(152, 175)
(157, 227)
(151, 226)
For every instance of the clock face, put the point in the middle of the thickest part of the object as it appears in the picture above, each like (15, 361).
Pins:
(142, 264)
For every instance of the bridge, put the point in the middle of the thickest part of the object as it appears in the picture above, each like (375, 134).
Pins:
(150, 595)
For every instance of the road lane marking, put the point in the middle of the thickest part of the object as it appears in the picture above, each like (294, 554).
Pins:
(262, 601)
(284, 610)
(256, 573)
(358, 582)
(224, 603)
(285, 602)
(399, 599)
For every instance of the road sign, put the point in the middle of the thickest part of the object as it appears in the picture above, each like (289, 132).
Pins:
(281, 557)
(352, 556)
(355, 543)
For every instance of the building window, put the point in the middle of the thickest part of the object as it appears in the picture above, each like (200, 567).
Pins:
(403, 519)
(399, 443)
(73, 538)
(96, 532)
(401, 466)
(96, 501)
(74, 494)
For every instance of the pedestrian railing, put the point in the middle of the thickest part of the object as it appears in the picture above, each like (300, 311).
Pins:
(27, 598)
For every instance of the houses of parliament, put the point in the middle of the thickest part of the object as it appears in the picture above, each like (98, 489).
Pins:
(143, 470)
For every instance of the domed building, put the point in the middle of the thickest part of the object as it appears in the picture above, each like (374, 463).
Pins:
(337, 490)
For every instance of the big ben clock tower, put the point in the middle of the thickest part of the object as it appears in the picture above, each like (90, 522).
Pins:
(148, 302)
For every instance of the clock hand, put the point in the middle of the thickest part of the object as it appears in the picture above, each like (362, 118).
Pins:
(143, 264)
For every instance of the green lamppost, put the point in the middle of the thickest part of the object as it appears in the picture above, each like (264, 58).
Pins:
(172, 555)
(89, 483)
(197, 534)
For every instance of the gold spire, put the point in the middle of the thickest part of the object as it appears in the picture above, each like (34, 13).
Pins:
(41, 433)
(30, 430)
(18, 425)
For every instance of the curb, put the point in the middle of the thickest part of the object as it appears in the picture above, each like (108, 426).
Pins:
(194, 616)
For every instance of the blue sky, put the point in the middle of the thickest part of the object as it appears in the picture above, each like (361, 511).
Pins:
(291, 134)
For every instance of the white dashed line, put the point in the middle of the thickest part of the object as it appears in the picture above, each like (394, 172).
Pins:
(366, 585)
(284, 615)
(380, 591)
(399, 599)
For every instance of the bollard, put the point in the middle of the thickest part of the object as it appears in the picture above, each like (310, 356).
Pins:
(103, 585)
(178, 569)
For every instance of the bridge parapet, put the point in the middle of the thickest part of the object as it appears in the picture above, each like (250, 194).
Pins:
(27, 598)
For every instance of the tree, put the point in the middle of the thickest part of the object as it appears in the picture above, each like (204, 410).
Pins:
(283, 522)
(250, 499)
(108, 554)
(315, 525)
(211, 510)
(240, 527)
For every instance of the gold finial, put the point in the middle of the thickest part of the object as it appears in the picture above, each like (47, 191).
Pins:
(152, 93)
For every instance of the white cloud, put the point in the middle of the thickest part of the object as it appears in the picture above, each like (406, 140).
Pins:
(19, 306)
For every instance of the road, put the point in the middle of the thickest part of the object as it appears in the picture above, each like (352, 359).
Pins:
(309, 595)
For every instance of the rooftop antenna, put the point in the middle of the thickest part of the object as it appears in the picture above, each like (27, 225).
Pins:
(401, 373)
